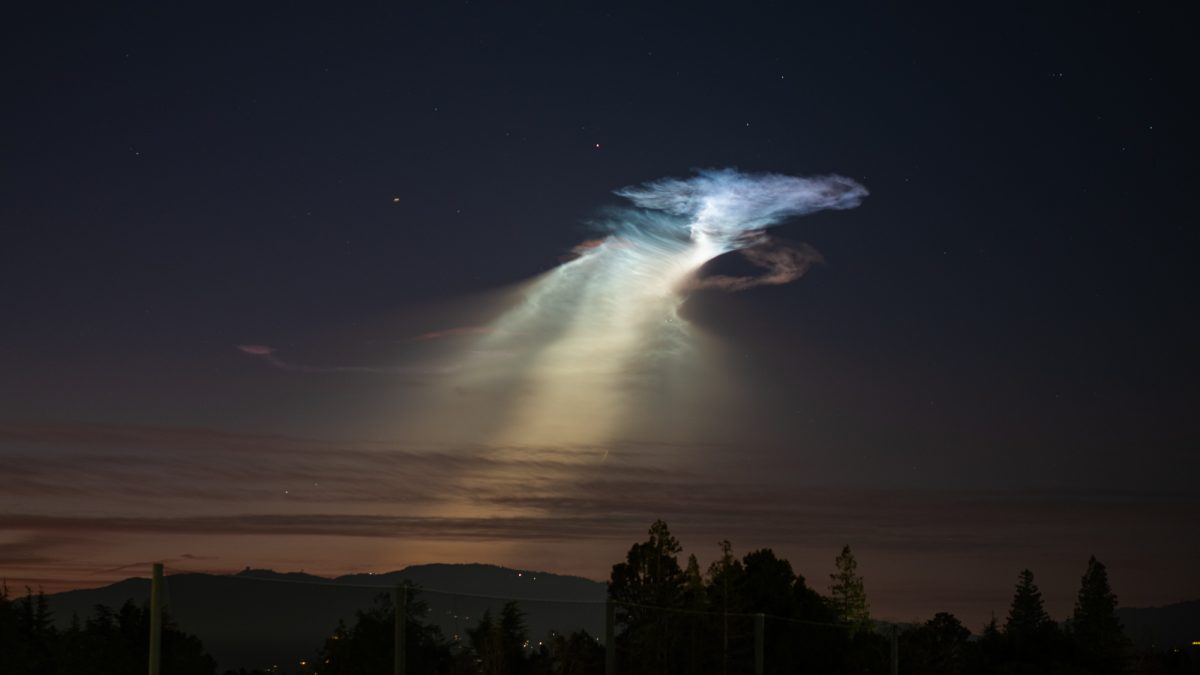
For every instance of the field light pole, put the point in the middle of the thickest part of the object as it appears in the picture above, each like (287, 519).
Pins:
(760, 627)
(610, 642)
(156, 619)
(400, 600)
(895, 651)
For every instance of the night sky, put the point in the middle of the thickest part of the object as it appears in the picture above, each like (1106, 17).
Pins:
(269, 290)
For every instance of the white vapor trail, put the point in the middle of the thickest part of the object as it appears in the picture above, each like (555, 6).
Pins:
(595, 334)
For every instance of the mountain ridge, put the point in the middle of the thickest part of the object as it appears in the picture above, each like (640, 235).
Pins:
(257, 618)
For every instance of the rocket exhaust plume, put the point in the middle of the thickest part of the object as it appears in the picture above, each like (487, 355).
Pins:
(599, 336)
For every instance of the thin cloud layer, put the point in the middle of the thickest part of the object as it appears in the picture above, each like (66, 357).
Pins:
(270, 355)
(85, 504)
(540, 494)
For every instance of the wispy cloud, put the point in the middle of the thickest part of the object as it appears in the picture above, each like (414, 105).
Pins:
(458, 331)
(547, 494)
(36, 547)
(72, 493)
(781, 264)
(899, 520)
(270, 355)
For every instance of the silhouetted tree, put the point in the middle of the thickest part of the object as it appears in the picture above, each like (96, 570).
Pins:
(848, 596)
(1096, 632)
(1027, 615)
(499, 643)
(576, 654)
(369, 645)
(724, 593)
(119, 642)
(768, 583)
(108, 643)
(693, 581)
(941, 646)
(771, 587)
(1034, 639)
(645, 586)
(694, 602)
(26, 640)
(992, 648)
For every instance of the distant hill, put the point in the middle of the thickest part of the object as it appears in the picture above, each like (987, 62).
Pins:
(1162, 627)
(259, 618)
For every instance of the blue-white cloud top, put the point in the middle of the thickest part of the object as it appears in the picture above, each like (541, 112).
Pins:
(724, 208)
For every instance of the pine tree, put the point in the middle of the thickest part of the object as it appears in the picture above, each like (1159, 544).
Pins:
(1027, 615)
(695, 597)
(1095, 629)
(35, 631)
(693, 580)
(725, 580)
(1033, 637)
(849, 598)
(724, 586)
(991, 629)
(940, 647)
(499, 642)
(993, 647)
(368, 645)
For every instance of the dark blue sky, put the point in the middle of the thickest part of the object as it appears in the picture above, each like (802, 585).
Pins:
(1011, 308)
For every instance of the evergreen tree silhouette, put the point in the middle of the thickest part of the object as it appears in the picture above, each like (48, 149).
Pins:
(1096, 632)
(110, 642)
(644, 587)
(500, 642)
(939, 647)
(368, 646)
(695, 600)
(1027, 615)
(724, 587)
(848, 596)
(1033, 638)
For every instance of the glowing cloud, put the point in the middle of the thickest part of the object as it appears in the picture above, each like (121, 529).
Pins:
(599, 333)
(595, 348)
(728, 209)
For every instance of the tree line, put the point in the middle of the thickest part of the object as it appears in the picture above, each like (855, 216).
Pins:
(109, 642)
(670, 617)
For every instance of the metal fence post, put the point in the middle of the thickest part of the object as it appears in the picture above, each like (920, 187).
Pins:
(895, 651)
(610, 640)
(760, 628)
(399, 656)
(156, 619)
